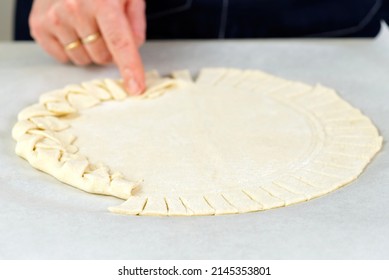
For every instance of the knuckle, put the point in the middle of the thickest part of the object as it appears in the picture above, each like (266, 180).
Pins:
(53, 17)
(108, 8)
(104, 3)
(32, 20)
(72, 5)
(118, 42)
(35, 26)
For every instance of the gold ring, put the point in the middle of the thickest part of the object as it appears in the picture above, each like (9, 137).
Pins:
(90, 38)
(72, 45)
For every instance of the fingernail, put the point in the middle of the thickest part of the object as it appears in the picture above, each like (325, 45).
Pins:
(133, 87)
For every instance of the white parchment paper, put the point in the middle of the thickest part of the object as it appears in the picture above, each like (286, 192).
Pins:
(41, 218)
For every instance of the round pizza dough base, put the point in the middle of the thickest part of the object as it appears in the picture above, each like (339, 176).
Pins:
(233, 141)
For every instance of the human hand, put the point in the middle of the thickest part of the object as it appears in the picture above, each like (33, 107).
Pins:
(60, 25)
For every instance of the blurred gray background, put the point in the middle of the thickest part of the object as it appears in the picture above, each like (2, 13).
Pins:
(6, 19)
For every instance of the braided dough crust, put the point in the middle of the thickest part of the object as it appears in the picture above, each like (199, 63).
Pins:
(232, 141)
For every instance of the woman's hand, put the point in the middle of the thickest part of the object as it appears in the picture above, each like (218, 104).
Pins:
(111, 29)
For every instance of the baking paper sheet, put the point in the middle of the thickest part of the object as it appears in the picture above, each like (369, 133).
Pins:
(41, 218)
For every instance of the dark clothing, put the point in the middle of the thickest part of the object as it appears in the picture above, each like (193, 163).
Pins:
(264, 18)
(21, 31)
(193, 19)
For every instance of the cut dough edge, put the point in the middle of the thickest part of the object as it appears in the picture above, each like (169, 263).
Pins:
(351, 142)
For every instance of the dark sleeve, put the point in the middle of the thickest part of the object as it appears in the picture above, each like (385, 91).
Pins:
(385, 11)
(202, 19)
(171, 19)
(22, 11)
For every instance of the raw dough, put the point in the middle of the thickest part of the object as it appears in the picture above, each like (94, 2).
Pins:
(233, 141)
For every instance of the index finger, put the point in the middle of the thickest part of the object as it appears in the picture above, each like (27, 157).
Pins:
(120, 41)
